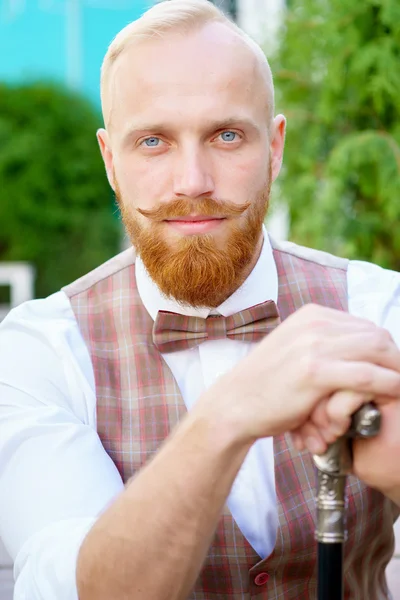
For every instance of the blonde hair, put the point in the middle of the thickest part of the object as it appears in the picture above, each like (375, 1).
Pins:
(166, 16)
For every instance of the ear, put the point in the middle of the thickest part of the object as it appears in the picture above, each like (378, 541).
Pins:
(105, 148)
(277, 145)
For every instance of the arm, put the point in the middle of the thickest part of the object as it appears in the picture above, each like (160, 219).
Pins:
(51, 492)
(55, 477)
(157, 533)
(169, 511)
(54, 469)
(58, 479)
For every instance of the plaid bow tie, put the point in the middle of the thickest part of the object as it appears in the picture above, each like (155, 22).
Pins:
(172, 331)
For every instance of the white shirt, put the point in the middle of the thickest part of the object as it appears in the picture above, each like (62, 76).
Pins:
(55, 476)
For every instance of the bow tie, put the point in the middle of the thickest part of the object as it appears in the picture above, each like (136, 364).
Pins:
(172, 331)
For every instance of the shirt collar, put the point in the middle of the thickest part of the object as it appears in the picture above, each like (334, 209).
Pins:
(260, 285)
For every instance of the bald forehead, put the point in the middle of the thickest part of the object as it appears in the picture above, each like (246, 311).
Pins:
(214, 58)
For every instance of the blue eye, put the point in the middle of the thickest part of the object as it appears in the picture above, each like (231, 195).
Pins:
(152, 142)
(229, 136)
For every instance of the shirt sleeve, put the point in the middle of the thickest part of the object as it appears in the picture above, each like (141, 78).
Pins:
(55, 476)
(374, 294)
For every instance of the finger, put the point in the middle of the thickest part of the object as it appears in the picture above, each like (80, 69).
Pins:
(342, 405)
(319, 417)
(319, 320)
(315, 314)
(373, 346)
(311, 329)
(332, 376)
(297, 440)
(311, 438)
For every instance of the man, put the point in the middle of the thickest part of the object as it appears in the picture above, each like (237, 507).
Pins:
(150, 446)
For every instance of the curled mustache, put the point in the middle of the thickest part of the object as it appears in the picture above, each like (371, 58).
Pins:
(206, 207)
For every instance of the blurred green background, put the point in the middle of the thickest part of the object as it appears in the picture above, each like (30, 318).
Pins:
(57, 210)
(337, 74)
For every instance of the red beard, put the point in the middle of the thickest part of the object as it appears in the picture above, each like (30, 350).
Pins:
(194, 270)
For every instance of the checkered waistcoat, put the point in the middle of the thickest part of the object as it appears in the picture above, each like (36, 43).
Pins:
(138, 403)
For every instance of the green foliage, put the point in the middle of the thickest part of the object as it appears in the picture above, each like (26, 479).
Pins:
(337, 74)
(56, 208)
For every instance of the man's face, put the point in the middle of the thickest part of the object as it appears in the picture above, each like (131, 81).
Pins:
(190, 155)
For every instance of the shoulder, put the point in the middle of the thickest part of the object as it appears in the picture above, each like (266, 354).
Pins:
(44, 318)
(318, 257)
(363, 274)
(111, 268)
(374, 294)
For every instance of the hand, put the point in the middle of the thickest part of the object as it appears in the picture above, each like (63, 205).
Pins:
(376, 460)
(310, 356)
(331, 419)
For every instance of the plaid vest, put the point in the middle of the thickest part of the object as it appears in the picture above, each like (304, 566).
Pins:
(138, 404)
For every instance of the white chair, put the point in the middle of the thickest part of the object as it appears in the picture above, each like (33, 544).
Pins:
(20, 277)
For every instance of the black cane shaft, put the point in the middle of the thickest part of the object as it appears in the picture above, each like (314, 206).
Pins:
(330, 571)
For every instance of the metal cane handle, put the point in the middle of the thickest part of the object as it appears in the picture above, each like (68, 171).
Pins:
(366, 422)
(332, 469)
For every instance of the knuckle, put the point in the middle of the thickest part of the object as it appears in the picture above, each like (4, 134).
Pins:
(396, 385)
(334, 412)
(366, 324)
(313, 344)
(334, 407)
(308, 309)
(314, 316)
(364, 377)
(382, 340)
(321, 345)
(311, 311)
(320, 418)
(310, 366)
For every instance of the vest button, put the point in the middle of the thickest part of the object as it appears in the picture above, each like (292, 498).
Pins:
(261, 578)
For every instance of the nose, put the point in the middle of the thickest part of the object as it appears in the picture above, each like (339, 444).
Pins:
(192, 177)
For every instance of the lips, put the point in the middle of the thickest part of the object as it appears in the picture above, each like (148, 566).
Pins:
(197, 224)
(194, 219)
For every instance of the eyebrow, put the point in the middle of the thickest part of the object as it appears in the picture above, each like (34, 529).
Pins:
(211, 126)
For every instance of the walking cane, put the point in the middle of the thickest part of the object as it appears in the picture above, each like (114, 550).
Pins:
(332, 470)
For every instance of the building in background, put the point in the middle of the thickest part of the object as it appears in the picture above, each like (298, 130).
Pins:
(65, 40)
(261, 20)
(61, 40)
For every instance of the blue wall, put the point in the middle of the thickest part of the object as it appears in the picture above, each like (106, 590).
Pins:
(33, 39)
